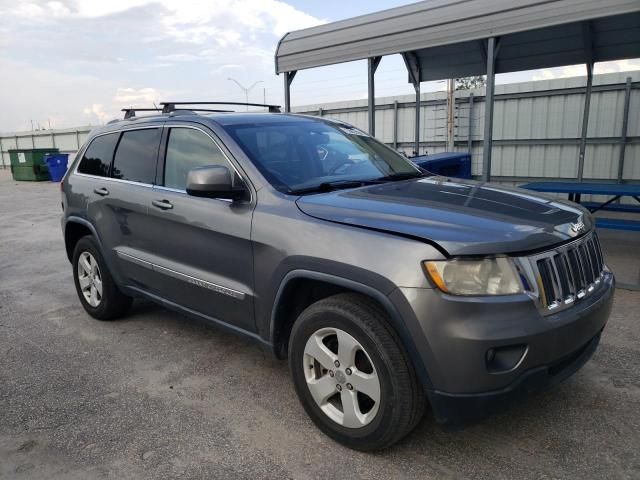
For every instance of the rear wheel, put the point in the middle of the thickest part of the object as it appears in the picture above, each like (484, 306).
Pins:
(352, 374)
(96, 289)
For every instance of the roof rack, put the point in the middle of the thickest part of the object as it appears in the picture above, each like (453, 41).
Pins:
(168, 107)
(131, 112)
(203, 110)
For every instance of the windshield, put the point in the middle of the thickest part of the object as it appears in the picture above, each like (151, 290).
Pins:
(296, 155)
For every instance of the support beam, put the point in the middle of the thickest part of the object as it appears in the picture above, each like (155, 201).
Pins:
(470, 126)
(451, 113)
(587, 38)
(288, 78)
(585, 121)
(395, 124)
(413, 67)
(416, 148)
(488, 109)
(623, 134)
(372, 66)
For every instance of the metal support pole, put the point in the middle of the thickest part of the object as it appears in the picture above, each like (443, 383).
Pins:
(320, 112)
(372, 66)
(395, 124)
(33, 141)
(53, 139)
(2, 154)
(415, 74)
(288, 78)
(451, 112)
(488, 110)
(470, 126)
(623, 134)
(417, 134)
(78, 140)
(585, 121)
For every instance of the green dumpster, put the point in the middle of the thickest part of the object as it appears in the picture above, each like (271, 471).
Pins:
(28, 164)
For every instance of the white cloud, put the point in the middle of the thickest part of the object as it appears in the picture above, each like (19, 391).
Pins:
(79, 60)
(133, 96)
(96, 112)
(580, 70)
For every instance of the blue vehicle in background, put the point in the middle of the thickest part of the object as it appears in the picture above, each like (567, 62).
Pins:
(447, 164)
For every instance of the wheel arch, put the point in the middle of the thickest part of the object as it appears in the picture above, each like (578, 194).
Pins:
(74, 229)
(284, 312)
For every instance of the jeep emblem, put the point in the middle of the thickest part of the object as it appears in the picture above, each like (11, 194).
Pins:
(577, 227)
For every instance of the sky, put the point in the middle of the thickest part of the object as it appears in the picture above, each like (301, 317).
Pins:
(69, 63)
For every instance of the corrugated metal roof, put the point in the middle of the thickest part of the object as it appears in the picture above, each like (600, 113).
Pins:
(447, 35)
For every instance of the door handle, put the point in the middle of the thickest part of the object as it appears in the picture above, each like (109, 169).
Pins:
(101, 191)
(162, 204)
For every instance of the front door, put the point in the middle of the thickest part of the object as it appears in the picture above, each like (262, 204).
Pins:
(202, 248)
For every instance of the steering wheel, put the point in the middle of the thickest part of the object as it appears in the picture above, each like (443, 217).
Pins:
(340, 165)
(285, 178)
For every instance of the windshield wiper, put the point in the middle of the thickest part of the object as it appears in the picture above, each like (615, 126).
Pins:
(401, 176)
(334, 185)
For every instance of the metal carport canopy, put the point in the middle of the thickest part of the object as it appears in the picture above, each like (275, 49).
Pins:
(440, 23)
(446, 39)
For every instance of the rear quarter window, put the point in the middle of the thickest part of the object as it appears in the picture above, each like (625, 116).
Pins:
(97, 158)
(136, 156)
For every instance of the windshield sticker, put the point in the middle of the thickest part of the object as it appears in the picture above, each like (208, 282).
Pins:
(353, 131)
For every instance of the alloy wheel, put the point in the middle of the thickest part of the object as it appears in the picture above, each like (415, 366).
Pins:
(341, 377)
(89, 279)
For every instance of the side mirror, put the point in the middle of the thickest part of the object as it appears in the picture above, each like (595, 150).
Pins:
(213, 181)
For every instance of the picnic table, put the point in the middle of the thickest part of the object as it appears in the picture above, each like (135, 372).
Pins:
(613, 190)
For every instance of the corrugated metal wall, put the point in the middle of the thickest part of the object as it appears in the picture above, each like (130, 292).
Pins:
(536, 126)
(67, 140)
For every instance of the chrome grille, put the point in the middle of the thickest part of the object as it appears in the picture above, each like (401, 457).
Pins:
(569, 273)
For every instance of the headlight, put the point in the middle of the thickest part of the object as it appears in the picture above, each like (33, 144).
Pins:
(489, 276)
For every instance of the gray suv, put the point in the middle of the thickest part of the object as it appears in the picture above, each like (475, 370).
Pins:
(386, 287)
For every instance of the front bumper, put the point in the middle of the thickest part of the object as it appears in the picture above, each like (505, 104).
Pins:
(457, 333)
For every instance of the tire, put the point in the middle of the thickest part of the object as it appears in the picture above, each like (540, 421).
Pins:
(97, 292)
(341, 320)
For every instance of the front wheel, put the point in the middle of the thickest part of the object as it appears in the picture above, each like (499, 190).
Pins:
(352, 375)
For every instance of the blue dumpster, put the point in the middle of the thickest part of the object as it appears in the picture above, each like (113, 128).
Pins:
(57, 165)
(447, 164)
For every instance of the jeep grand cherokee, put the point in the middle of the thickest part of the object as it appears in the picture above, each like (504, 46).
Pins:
(385, 287)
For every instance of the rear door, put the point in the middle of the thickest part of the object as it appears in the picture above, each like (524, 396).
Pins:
(202, 246)
(120, 210)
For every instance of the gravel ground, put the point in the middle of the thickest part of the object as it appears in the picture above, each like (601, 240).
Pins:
(156, 395)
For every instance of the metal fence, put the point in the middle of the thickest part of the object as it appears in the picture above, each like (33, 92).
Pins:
(66, 140)
(536, 127)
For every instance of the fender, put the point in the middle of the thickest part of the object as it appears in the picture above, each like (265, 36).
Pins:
(395, 319)
(84, 222)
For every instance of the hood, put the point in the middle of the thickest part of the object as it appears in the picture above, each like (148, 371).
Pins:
(463, 217)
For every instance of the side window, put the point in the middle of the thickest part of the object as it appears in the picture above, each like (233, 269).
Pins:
(136, 155)
(188, 148)
(97, 158)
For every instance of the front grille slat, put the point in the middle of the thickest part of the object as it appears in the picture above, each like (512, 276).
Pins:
(576, 269)
(563, 276)
(547, 283)
(569, 273)
(586, 263)
(595, 263)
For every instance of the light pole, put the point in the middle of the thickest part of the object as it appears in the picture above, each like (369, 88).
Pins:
(246, 90)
